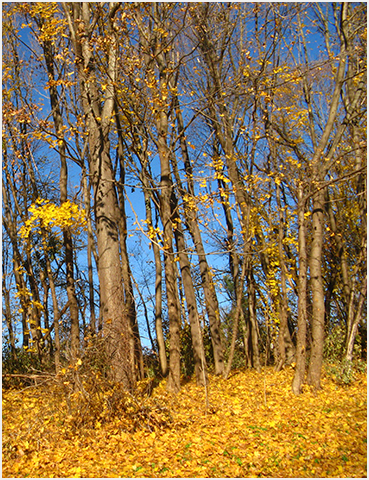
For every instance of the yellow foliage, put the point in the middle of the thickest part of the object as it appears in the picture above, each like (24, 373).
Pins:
(45, 214)
(254, 427)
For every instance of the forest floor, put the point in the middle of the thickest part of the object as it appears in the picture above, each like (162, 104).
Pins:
(253, 426)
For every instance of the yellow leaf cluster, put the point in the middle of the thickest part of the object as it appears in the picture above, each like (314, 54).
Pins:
(190, 202)
(46, 215)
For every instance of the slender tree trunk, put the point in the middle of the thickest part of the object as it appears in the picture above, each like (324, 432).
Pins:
(299, 375)
(246, 333)
(167, 206)
(10, 227)
(67, 236)
(286, 348)
(355, 324)
(158, 312)
(316, 280)
(47, 338)
(56, 312)
(23, 261)
(130, 307)
(135, 342)
(211, 300)
(239, 296)
(253, 321)
(8, 320)
(90, 249)
(158, 277)
(170, 275)
(318, 171)
(34, 316)
(189, 290)
(71, 294)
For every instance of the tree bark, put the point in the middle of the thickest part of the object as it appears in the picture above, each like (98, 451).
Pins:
(7, 311)
(317, 290)
(189, 290)
(253, 321)
(299, 375)
(318, 172)
(286, 347)
(166, 188)
(355, 324)
(90, 250)
(56, 312)
(239, 296)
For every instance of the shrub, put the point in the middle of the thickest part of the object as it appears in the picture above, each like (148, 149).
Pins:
(344, 371)
(334, 344)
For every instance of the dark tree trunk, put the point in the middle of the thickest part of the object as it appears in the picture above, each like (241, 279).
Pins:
(299, 376)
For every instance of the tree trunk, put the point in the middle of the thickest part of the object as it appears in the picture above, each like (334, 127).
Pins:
(170, 276)
(167, 206)
(190, 213)
(299, 375)
(239, 296)
(10, 227)
(49, 348)
(253, 321)
(318, 170)
(8, 318)
(189, 290)
(246, 332)
(71, 294)
(98, 112)
(158, 312)
(135, 342)
(158, 274)
(286, 347)
(67, 237)
(34, 316)
(355, 324)
(90, 249)
(56, 312)
(316, 280)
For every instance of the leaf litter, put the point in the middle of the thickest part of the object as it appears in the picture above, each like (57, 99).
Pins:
(250, 426)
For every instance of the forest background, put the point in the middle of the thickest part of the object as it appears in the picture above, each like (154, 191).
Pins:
(193, 174)
(184, 239)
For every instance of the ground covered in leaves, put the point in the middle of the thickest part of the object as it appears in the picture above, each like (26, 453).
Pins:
(252, 426)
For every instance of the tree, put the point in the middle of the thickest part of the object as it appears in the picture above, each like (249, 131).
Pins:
(47, 35)
(322, 153)
(214, 51)
(98, 110)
